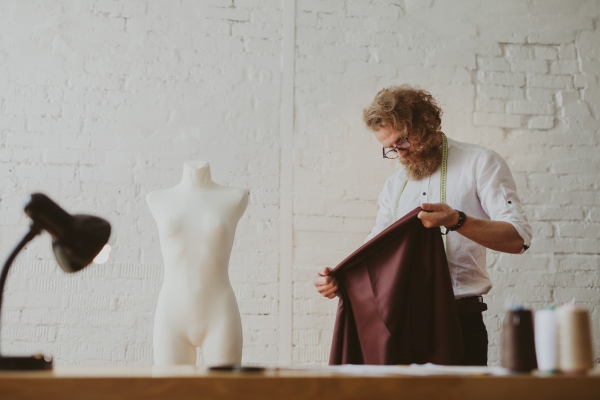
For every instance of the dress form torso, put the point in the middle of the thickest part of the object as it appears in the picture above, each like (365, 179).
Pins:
(197, 307)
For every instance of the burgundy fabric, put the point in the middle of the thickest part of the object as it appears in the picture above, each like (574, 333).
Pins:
(396, 300)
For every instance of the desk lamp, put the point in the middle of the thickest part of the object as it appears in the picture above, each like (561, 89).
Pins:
(76, 241)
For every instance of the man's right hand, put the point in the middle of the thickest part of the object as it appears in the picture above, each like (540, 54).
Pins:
(326, 284)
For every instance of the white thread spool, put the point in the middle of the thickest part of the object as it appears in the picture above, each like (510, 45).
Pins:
(575, 351)
(546, 344)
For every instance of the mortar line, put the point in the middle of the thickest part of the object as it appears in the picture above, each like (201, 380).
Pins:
(286, 182)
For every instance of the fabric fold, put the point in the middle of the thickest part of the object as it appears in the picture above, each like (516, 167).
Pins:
(396, 303)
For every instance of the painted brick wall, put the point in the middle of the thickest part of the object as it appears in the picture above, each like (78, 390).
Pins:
(520, 77)
(101, 101)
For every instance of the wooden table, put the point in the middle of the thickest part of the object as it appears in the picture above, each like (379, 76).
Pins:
(133, 383)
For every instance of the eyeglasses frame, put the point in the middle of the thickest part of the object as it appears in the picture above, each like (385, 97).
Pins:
(398, 146)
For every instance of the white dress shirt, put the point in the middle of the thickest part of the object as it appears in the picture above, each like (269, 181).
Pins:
(480, 184)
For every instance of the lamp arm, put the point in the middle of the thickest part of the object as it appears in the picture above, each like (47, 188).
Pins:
(33, 232)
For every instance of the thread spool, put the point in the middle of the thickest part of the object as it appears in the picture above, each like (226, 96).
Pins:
(518, 344)
(546, 341)
(575, 351)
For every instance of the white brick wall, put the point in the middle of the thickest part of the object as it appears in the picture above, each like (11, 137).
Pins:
(519, 77)
(101, 101)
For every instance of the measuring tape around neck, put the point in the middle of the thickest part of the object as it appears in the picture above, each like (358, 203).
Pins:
(443, 175)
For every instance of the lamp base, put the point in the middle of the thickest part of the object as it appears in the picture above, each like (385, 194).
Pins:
(37, 362)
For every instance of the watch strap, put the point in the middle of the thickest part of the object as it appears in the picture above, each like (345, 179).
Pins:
(462, 217)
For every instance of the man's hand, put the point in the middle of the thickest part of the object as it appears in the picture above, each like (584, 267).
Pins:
(326, 285)
(438, 214)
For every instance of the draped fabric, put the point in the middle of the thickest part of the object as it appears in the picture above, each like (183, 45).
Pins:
(396, 303)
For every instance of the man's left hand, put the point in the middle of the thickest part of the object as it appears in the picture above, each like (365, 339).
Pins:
(438, 214)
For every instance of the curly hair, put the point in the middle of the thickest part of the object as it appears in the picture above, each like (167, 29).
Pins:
(406, 109)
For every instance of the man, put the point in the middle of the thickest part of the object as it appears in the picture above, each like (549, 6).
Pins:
(481, 208)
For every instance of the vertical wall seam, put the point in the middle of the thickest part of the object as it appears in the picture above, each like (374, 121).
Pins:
(286, 182)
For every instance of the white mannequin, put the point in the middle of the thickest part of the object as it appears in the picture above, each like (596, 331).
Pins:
(197, 307)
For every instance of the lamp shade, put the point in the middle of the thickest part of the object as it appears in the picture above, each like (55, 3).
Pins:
(76, 239)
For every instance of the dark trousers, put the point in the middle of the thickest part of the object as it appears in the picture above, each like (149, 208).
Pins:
(475, 338)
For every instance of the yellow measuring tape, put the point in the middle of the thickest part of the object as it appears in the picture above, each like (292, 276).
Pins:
(444, 173)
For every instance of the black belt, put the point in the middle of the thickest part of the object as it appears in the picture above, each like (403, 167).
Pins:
(472, 304)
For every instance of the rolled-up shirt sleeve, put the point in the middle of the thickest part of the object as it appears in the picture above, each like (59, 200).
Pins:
(497, 193)
(384, 213)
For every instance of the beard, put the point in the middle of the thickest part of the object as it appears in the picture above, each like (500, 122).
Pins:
(423, 161)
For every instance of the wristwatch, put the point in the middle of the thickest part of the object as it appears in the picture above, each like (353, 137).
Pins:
(462, 217)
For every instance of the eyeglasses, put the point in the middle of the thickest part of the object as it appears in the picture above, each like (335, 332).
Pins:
(392, 152)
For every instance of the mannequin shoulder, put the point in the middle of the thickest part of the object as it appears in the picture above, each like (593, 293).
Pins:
(240, 194)
(243, 193)
(157, 197)
(238, 197)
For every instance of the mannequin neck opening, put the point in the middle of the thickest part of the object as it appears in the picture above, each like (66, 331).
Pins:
(196, 176)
